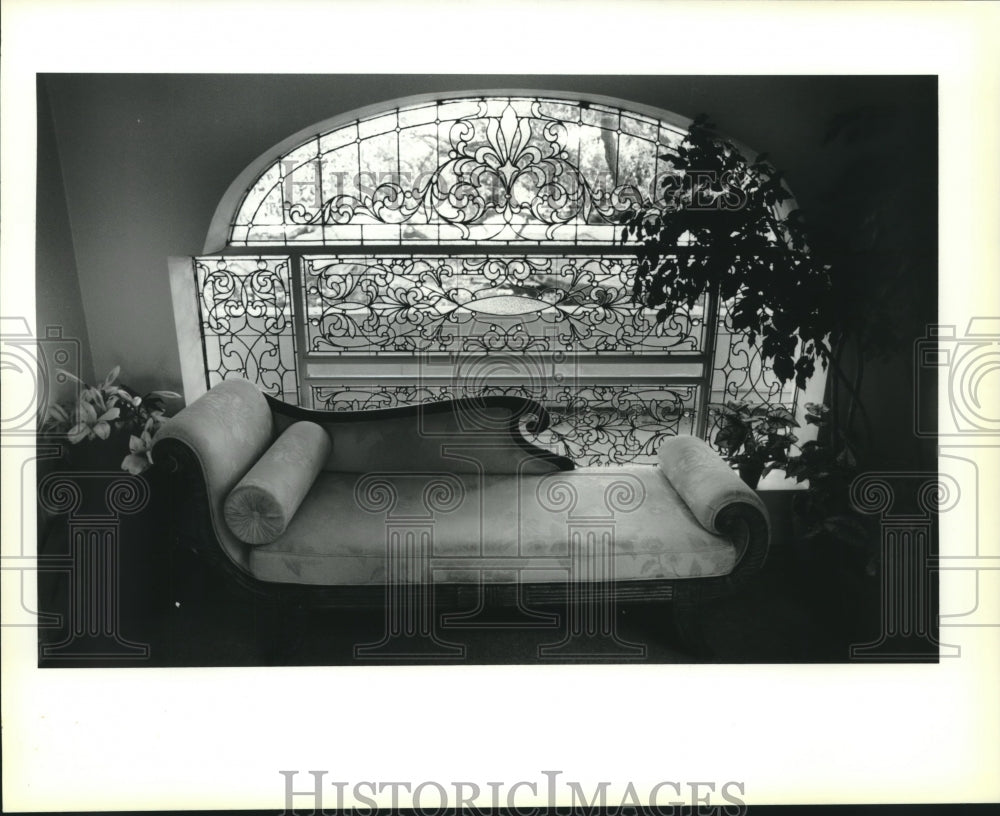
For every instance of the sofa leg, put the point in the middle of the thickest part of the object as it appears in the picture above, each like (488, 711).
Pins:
(687, 617)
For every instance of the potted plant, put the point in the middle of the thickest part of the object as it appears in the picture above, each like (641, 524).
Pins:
(109, 426)
(834, 290)
(837, 549)
(823, 514)
(754, 438)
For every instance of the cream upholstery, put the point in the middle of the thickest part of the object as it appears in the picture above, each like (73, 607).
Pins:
(228, 429)
(415, 497)
(260, 507)
(705, 482)
(500, 523)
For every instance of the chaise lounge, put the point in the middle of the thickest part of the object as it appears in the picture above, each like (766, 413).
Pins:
(344, 508)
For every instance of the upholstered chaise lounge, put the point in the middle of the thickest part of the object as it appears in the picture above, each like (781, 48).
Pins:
(336, 508)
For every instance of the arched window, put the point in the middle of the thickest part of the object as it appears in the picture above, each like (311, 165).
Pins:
(498, 170)
(449, 247)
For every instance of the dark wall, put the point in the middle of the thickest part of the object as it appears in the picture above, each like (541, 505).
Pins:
(146, 158)
(57, 289)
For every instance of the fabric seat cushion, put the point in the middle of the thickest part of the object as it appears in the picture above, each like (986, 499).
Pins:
(587, 524)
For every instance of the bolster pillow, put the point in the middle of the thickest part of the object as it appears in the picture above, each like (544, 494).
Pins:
(703, 480)
(262, 504)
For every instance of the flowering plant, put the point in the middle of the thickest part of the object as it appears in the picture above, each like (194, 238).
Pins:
(107, 411)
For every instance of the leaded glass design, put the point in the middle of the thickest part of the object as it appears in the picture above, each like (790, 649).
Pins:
(496, 169)
(357, 304)
(740, 373)
(247, 322)
(595, 425)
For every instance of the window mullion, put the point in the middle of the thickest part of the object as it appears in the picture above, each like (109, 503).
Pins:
(711, 323)
(300, 307)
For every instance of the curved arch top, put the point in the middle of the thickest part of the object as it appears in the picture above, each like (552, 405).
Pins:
(485, 167)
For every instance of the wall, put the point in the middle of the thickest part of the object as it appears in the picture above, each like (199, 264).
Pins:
(57, 289)
(146, 158)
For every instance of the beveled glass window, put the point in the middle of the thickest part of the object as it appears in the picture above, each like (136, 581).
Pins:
(492, 169)
(465, 246)
(403, 303)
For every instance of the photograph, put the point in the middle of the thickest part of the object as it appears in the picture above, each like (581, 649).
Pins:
(350, 394)
(581, 369)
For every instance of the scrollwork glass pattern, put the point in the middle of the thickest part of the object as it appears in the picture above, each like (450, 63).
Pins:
(495, 169)
(740, 373)
(247, 323)
(594, 425)
(366, 304)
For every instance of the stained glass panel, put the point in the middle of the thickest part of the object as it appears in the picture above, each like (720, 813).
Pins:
(247, 322)
(740, 372)
(382, 304)
(478, 170)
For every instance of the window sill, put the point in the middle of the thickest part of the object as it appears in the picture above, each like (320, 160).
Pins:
(776, 480)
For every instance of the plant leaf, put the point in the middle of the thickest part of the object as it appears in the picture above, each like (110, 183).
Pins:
(71, 376)
(135, 463)
(112, 376)
(78, 433)
(86, 412)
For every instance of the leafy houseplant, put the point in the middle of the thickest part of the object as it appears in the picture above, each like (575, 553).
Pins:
(834, 288)
(755, 438)
(824, 512)
(719, 228)
(801, 293)
(107, 421)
